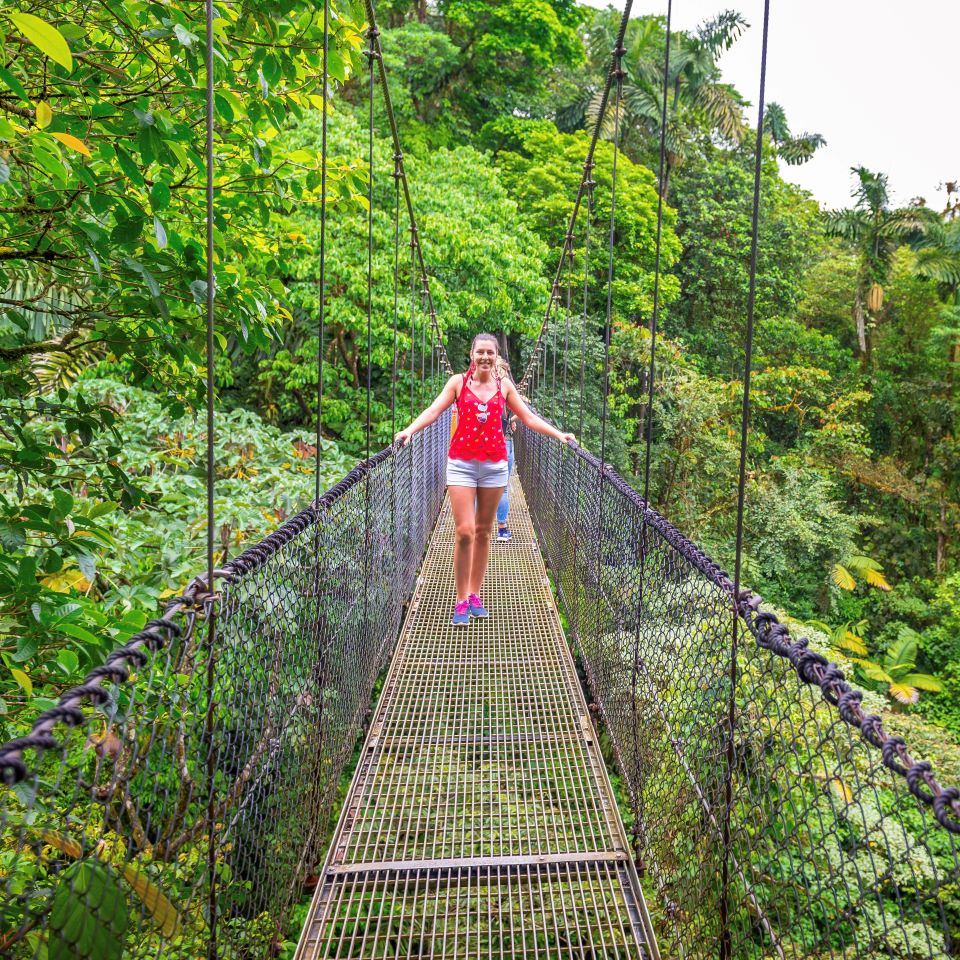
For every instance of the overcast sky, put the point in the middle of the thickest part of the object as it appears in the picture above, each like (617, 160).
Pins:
(878, 79)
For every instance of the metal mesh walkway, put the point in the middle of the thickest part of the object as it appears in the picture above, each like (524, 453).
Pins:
(480, 821)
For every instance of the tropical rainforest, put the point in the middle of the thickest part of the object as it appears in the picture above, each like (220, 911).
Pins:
(853, 481)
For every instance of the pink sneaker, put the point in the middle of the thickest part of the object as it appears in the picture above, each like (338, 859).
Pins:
(477, 609)
(461, 614)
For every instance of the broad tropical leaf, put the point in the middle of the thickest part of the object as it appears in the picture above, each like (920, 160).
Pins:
(843, 578)
(904, 693)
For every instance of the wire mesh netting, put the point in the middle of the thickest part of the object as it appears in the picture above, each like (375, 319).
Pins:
(180, 797)
(480, 821)
(819, 849)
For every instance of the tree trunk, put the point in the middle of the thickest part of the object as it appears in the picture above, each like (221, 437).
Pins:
(860, 319)
(941, 537)
(665, 186)
(422, 11)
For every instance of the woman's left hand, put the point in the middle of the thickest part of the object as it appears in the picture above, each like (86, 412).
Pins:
(567, 438)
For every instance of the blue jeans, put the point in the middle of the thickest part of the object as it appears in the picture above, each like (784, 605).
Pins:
(504, 504)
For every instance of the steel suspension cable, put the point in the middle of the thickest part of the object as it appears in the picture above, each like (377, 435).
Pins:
(589, 184)
(210, 601)
(726, 946)
(395, 135)
(587, 167)
(566, 328)
(656, 275)
(325, 77)
(608, 324)
(372, 54)
(396, 292)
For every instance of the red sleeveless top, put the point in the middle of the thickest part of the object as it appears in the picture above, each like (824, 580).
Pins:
(479, 434)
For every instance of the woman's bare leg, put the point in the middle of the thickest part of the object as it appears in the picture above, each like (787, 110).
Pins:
(461, 502)
(488, 498)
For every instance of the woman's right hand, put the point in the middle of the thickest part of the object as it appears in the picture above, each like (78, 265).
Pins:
(403, 437)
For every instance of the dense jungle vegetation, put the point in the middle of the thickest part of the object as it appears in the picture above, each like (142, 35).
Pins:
(853, 501)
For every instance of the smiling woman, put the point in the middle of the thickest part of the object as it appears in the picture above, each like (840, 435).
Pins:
(477, 464)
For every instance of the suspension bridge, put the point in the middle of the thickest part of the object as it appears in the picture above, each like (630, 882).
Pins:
(176, 804)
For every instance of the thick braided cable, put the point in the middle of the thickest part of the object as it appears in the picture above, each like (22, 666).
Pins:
(587, 168)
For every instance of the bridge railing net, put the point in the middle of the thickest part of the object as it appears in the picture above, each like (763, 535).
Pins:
(153, 825)
(828, 853)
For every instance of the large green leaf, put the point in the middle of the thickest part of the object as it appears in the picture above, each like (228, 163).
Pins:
(43, 36)
(88, 916)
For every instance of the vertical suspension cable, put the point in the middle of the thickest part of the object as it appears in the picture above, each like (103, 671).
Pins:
(423, 339)
(726, 945)
(618, 54)
(397, 159)
(210, 602)
(413, 317)
(372, 35)
(325, 76)
(553, 376)
(656, 275)
(635, 665)
(589, 184)
(566, 329)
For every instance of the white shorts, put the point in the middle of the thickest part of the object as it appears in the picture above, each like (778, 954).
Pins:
(477, 473)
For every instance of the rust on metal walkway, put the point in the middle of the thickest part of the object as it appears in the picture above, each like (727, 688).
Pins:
(480, 821)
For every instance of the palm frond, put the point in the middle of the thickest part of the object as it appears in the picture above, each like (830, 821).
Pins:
(904, 693)
(923, 681)
(939, 265)
(870, 189)
(846, 224)
(724, 110)
(798, 150)
(573, 115)
(607, 122)
(842, 577)
(678, 140)
(722, 31)
(905, 224)
(775, 123)
(848, 640)
(642, 104)
(876, 579)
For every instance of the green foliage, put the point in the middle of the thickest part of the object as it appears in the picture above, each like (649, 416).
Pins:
(542, 170)
(102, 176)
(508, 48)
(486, 274)
(79, 575)
(714, 203)
(897, 670)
